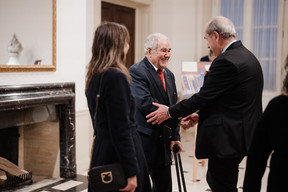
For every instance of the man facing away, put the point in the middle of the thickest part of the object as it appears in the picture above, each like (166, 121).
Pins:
(152, 81)
(229, 104)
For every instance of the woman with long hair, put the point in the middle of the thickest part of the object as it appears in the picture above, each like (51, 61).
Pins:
(116, 139)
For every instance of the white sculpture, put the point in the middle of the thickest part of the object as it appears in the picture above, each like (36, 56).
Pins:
(14, 50)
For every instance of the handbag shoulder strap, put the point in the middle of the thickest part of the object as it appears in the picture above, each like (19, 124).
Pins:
(95, 115)
(97, 98)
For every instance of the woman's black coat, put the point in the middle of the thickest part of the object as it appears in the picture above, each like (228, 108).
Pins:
(116, 137)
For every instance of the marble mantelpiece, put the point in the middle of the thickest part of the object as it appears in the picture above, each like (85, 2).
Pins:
(18, 103)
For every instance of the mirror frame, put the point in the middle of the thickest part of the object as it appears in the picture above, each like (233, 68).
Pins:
(33, 68)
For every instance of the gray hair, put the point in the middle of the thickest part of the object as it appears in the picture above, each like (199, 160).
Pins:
(223, 26)
(152, 41)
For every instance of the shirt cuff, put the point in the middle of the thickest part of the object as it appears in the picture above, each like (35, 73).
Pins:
(168, 113)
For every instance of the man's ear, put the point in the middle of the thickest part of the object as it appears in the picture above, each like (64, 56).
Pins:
(149, 50)
(216, 35)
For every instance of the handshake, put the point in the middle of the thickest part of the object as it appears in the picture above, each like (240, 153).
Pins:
(161, 114)
(189, 121)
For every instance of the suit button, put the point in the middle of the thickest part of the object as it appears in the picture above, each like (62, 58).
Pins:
(160, 136)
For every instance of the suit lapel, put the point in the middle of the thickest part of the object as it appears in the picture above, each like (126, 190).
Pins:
(169, 88)
(157, 81)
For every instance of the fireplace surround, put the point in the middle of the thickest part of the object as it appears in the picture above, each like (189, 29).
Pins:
(20, 103)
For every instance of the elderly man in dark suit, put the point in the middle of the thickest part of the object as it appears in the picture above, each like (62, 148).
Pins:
(152, 81)
(229, 104)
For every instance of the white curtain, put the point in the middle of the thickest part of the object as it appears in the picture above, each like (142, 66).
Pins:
(234, 10)
(265, 29)
(264, 32)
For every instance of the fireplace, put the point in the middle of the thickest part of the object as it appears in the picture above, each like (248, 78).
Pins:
(9, 144)
(28, 105)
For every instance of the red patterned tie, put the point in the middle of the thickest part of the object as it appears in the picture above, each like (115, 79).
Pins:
(160, 72)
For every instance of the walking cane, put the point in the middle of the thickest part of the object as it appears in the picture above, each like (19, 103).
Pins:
(178, 164)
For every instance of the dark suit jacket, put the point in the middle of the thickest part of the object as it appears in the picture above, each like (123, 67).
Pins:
(230, 104)
(147, 87)
(270, 138)
(117, 139)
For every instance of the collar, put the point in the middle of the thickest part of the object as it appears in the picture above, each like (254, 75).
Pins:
(226, 47)
(156, 69)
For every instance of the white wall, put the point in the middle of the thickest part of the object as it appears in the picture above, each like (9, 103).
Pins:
(183, 23)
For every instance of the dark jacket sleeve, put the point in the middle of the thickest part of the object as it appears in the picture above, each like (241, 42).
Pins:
(141, 88)
(117, 97)
(175, 134)
(221, 78)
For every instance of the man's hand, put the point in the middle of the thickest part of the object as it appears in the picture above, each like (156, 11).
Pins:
(189, 121)
(172, 143)
(158, 116)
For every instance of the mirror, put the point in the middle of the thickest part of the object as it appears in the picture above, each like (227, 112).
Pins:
(33, 23)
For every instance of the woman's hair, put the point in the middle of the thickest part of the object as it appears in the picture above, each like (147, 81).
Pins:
(285, 81)
(152, 41)
(108, 46)
(223, 26)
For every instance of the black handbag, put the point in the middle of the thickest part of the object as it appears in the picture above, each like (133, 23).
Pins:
(105, 177)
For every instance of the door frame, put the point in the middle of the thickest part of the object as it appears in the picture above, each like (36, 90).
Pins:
(143, 20)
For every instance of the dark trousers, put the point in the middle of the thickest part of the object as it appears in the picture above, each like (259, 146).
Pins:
(161, 178)
(222, 174)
